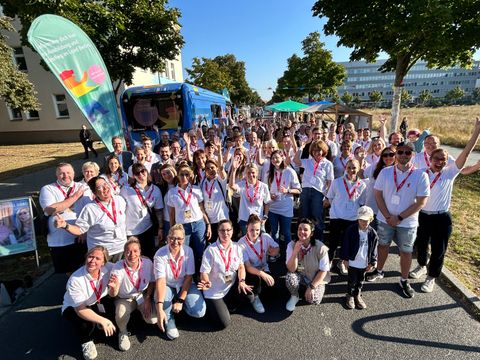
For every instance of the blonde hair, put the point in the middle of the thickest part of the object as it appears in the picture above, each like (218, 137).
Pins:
(176, 227)
(98, 248)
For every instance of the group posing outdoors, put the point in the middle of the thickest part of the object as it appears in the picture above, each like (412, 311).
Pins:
(192, 222)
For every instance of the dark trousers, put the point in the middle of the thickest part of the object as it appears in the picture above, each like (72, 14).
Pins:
(89, 145)
(259, 285)
(435, 229)
(356, 278)
(84, 328)
(214, 229)
(337, 230)
(147, 242)
(218, 309)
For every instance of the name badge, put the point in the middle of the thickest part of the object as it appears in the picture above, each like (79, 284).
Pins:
(143, 212)
(208, 205)
(187, 214)
(101, 308)
(228, 279)
(300, 267)
(139, 299)
(395, 200)
(118, 233)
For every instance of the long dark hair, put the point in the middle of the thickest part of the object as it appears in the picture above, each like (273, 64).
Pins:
(271, 169)
(381, 163)
(108, 171)
(196, 169)
(136, 168)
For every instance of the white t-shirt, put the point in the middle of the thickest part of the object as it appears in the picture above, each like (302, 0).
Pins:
(317, 177)
(214, 199)
(258, 257)
(441, 188)
(345, 203)
(372, 159)
(185, 214)
(287, 178)
(340, 164)
(87, 198)
(165, 266)
(422, 160)
(116, 182)
(80, 290)
(416, 184)
(369, 191)
(101, 229)
(51, 194)
(214, 265)
(141, 278)
(252, 199)
(138, 218)
(361, 259)
(151, 159)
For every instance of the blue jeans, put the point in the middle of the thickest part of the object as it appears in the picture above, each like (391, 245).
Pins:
(195, 238)
(284, 223)
(166, 228)
(194, 304)
(311, 207)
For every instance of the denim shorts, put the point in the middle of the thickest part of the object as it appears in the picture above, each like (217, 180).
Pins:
(403, 237)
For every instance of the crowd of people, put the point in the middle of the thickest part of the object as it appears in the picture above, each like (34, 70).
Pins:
(192, 222)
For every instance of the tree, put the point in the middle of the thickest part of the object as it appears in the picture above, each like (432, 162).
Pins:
(15, 88)
(128, 34)
(375, 96)
(441, 32)
(314, 75)
(476, 94)
(405, 96)
(227, 72)
(356, 100)
(425, 96)
(455, 94)
(347, 98)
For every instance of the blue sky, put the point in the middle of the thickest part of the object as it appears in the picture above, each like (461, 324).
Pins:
(262, 33)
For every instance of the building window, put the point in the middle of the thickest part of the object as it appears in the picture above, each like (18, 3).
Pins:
(172, 71)
(167, 75)
(33, 115)
(19, 59)
(60, 102)
(15, 114)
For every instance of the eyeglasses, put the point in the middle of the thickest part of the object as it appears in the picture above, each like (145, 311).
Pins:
(406, 152)
(388, 155)
(225, 230)
(102, 187)
(22, 213)
(176, 239)
(143, 171)
(184, 174)
(211, 168)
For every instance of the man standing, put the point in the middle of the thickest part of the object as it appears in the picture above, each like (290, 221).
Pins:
(401, 191)
(86, 140)
(125, 157)
(58, 198)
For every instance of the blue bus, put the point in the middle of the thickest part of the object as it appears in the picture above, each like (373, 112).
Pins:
(171, 107)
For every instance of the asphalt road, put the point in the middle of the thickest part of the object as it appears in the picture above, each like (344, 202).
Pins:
(429, 326)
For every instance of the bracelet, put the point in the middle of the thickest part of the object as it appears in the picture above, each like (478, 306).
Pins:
(179, 300)
(159, 302)
(241, 280)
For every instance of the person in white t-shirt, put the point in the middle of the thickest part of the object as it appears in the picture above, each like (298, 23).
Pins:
(144, 209)
(103, 220)
(345, 196)
(222, 276)
(115, 175)
(257, 246)
(150, 157)
(340, 162)
(132, 284)
(401, 191)
(435, 221)
(60, 197)
(86, 304)
(174, 267)
(374, 150)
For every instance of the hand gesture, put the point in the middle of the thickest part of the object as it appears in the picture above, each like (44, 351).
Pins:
(113, 281)
(244, 288)
(236, 162)
(298, 247)
(59, 221)
(177, 307)
(186, 137)
(309, 295)
(107, 326)
(162, 319)
(204, 285)
(382, 119)
(267, 278)
(477, 123)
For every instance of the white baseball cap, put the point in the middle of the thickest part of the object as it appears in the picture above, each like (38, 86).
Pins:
(365, 213)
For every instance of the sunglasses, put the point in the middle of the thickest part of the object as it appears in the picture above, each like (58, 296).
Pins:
(406, 152)
(144, 171)
(388, 155)
(184, 174)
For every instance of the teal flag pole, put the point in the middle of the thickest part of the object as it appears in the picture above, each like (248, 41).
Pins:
(76, 63)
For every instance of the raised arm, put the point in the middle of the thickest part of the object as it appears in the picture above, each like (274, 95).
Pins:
(462, 158)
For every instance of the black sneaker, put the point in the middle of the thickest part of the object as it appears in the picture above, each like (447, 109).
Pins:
(374, 275)
(406, 288)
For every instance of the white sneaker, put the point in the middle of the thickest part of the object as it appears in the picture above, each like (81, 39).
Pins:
(342, 268)
(89, 350)
(418, 272)
(172, 332)
(428, 285)
(292, 302)
(123, 341)
(257, 305)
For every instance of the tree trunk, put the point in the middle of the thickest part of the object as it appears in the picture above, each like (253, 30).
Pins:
(401, 69)
(397, 97)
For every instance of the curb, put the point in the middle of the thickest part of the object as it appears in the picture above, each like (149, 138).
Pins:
(39, 281)
(467, 296)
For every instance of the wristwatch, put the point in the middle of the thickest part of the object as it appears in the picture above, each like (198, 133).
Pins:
(311, 286)
(399, 217)
(66, 226)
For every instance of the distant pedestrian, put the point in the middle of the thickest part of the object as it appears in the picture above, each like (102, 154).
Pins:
(86, 140)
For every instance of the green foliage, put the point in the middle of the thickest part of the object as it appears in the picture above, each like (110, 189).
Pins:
(455, 94)
(375, 96)
(425, 96)
(356, 100)
(476, 94)
(224, 71)
(128, 34)
(15, 88)
(347, 98)
(406, 97)
(315, 74)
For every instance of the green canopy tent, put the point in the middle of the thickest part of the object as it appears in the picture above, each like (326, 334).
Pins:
(286, 106)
